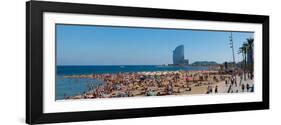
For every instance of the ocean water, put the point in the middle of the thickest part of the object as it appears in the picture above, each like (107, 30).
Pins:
(74, 86)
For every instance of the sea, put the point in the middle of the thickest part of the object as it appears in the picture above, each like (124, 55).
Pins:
(74, 86)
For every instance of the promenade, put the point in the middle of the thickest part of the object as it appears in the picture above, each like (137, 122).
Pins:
(236, 88)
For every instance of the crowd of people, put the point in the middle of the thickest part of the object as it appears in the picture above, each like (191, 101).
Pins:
(156, 83)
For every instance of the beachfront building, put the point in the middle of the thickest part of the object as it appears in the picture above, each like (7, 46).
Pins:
(178, 56)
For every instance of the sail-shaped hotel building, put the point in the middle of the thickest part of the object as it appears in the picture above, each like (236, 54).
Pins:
(178, 56)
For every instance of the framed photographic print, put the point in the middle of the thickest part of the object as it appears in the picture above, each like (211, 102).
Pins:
(95, 62)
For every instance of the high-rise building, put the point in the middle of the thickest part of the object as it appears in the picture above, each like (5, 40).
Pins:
(178, 56)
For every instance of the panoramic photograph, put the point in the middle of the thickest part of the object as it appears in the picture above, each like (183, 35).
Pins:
(94, 62)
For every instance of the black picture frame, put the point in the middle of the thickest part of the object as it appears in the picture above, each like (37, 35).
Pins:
(34, 61)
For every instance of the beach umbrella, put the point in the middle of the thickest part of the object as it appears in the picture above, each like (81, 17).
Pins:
(188, 78)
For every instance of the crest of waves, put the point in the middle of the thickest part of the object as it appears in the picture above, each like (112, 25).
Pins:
(72, 70)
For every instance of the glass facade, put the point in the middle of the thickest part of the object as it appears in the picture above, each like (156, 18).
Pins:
(178, 55)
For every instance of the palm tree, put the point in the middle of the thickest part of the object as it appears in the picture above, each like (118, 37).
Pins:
(243, 50)
(250, 42)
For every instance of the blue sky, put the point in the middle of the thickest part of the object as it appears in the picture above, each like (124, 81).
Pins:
(104, 45)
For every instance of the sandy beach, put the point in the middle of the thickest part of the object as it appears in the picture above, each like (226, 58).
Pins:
(160, 83)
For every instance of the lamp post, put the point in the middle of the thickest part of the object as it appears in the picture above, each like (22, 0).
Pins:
(233, 56)
(232, 46)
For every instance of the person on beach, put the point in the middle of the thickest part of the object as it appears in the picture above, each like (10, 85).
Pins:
(243, 87)
(211, 89)
(229, 89)
(84, 95)
(252, 90)
(248, 87)
(241, 78)
(235, 82)
(158, 94)
(94, 95)
(170, 89)
(252, 76)
(232, 81)
(64, 96)
(216, 89)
